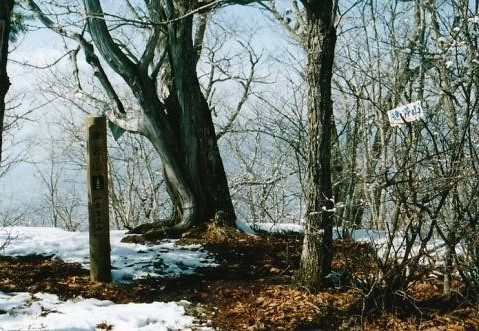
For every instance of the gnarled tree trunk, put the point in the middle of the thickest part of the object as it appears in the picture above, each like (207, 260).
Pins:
(181, 128)
(179, 125)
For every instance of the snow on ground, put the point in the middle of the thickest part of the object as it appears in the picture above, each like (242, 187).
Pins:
(42, 311)
(129, 261)
(278, 228)
(379, 239)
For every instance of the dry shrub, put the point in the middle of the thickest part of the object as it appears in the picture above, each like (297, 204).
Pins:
(218, 233)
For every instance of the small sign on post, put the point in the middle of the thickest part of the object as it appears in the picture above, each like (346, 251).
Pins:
(405, 114)
(99, 222)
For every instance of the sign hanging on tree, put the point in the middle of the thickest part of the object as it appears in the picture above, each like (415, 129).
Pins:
(405, 114)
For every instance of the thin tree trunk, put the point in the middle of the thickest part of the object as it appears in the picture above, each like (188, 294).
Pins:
(316, 256)
(6, 7)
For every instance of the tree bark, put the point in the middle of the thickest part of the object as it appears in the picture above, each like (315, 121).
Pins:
(191, 117)
(6, 7)
(316, 256)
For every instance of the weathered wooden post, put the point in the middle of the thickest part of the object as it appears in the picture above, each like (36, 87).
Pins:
(99, 224)
(2, 35)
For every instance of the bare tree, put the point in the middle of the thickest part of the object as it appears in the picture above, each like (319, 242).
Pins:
(317, 252)
(171, 110)
(58, 174)
(251, 120)
(137, 189)
(314, 26)
(416, 181)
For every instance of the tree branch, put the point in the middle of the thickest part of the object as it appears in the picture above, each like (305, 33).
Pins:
(149, 52)
(200, 35)
(88, 50)
(110, 51)
(271, 8)
(133, 125)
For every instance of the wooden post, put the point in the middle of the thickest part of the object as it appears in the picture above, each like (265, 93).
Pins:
(99, 223)
(2, 36)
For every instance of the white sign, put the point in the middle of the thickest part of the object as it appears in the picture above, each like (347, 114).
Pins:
(405, 114)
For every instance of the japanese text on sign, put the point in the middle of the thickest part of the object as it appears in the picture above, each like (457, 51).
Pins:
(405, 114)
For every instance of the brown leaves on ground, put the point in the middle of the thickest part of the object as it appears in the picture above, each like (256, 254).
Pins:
(253, 288)
(281, 307)
(37, 273)
(460, 320)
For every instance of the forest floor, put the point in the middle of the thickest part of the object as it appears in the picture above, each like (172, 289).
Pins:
(253, 289)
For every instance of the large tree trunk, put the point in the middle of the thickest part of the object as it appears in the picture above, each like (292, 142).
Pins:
(317, 253)
(192, 122)
(181, 129)
(6, 7)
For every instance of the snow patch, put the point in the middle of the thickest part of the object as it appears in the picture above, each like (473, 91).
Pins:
(244, 226)
(42, 311)
(129, 261)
